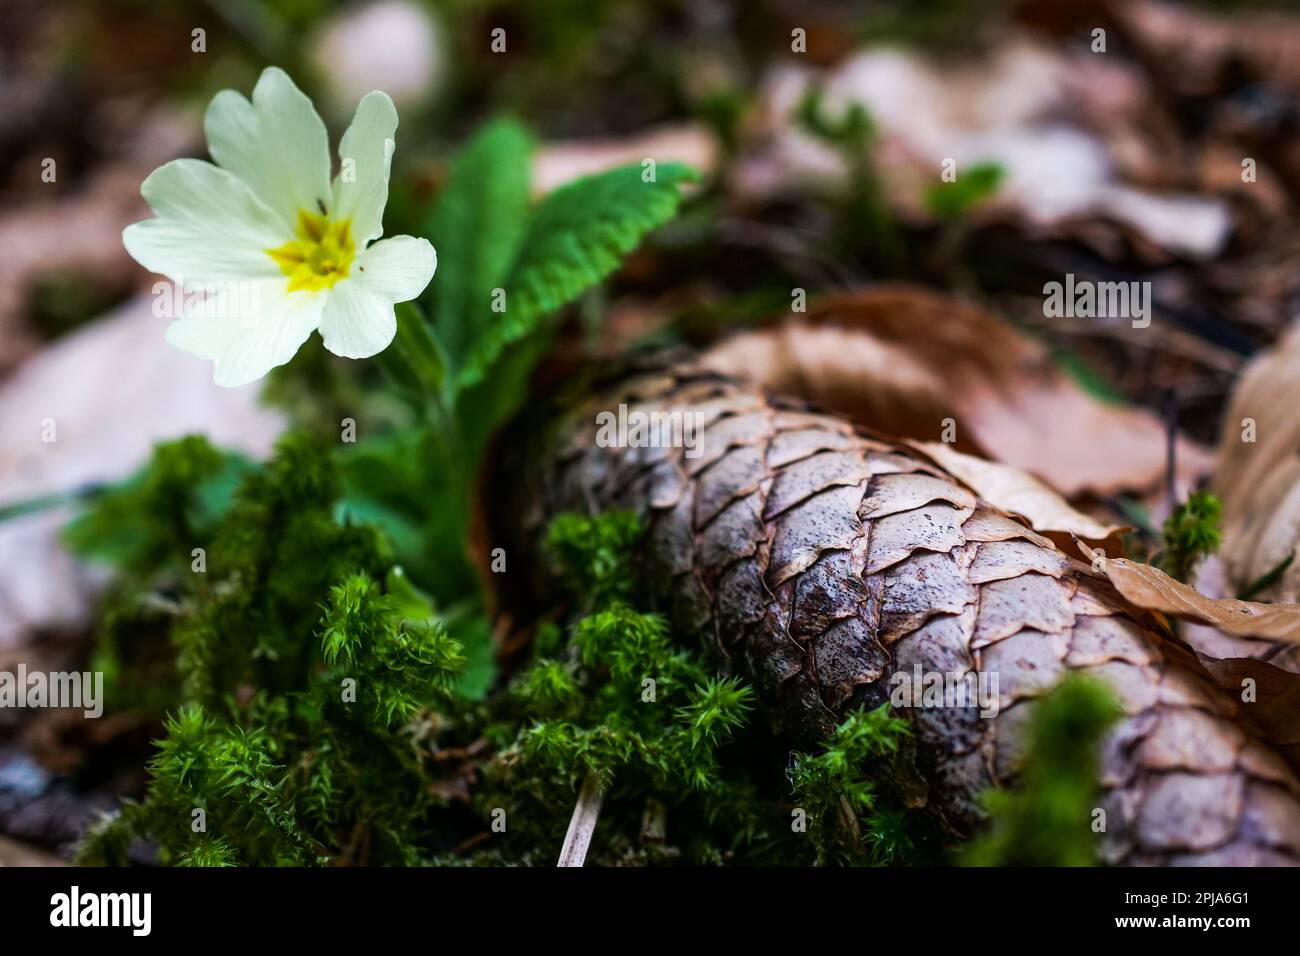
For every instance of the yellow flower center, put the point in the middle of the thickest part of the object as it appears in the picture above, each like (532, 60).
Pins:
(320, 256)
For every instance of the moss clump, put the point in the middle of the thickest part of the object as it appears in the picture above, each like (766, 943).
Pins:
(837, 790)
(616, 704)
(298, 672)
(1191, 533)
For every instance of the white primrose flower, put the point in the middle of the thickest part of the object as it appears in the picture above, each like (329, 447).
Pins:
(280, 249)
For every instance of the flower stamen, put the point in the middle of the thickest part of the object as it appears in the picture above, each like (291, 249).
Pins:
(320, 256)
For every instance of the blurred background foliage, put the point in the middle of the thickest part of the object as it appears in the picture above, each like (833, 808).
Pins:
(794, 192)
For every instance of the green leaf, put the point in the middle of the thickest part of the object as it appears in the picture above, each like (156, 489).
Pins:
(578, 235)
(953, 200)
(1266, 580)
(404, 484)
(853, 128)
(474, 633)
(477, 226)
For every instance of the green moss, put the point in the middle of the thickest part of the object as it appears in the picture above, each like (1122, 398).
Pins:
(615, 700)
(299, 674)
(837, 791)
(1191, 533)
(595, 554)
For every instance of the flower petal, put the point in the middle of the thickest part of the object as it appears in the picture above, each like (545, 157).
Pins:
(398, 268)
(210, 226)
(365, 153)
(357, 322)
(277, 144)
(247, 328)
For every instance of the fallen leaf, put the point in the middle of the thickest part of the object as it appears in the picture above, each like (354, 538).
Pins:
(903, 360)
(106, 423)
(1020, 493)
(1258, 472)
(1273, 702)
(1150, 588)
(857, 374)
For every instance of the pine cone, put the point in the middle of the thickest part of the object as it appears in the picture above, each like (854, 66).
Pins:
(820, 561)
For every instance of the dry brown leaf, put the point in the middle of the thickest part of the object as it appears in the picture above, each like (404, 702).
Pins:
(1259, 479)
(1273, 704)
(1259, 483)
(1149, 587)
(1211, 579)
(1018, 492)
(857, 374)
(900, 359)
(107, 422)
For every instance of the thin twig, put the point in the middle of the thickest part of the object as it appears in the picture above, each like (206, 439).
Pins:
(1171, 447)
(582, 824)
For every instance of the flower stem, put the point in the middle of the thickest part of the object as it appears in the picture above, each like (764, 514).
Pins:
(582, 824)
